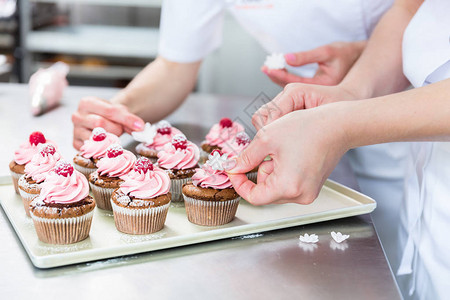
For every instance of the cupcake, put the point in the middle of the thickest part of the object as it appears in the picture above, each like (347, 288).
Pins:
(62, 213)
(153, 138)
(235, 146)
(116, 163)
(224, 131)
(210, 199)
(23, 155)
(141, 203)
(92, 150)
(179, 159)
(35, 173)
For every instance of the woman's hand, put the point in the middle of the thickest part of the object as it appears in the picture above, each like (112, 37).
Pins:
(304, 147)
(297, 96)
(95, 112)
(334, 61)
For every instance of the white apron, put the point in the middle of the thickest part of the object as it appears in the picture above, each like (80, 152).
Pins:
(424, 272)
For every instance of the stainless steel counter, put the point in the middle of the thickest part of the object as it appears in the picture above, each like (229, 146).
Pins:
(270, 265)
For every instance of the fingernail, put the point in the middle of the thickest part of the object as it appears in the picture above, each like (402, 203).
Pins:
(138, 125)
(229, 164)
(289, 57)
(265, 71)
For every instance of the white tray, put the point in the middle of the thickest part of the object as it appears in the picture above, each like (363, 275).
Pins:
(335, 201)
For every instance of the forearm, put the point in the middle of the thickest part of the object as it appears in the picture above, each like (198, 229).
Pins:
(421, 114)
(379, 70)
(158, 89)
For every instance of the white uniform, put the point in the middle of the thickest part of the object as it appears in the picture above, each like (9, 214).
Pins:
(424, 272)
(190, 30)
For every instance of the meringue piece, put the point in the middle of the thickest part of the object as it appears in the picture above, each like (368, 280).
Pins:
(339, 237)
(147, 135)
(306, 238)
(275, 61)
(217, 161)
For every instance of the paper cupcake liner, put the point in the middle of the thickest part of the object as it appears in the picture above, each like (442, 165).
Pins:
(210, 213)
(102, 196)
(26, 196)
(176, 185)
(252, 176)
(85, 171)
(26, 199)
(15, 178)
(63, 231)
(141, 220)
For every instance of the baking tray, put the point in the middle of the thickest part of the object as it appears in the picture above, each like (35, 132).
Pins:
(335, 201)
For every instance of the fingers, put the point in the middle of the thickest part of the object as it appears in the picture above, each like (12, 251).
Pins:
(316, 55)
(91, 121)
(283, 77)
(252, 156)
(113, 112)
(80, 134)
(264, 170)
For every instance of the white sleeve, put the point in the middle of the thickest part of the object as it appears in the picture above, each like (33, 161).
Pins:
(190, 29)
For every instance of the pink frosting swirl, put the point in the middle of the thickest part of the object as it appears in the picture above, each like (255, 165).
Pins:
(207, 177)
(116, 166)
(150, 184)
(160, 140)
(218, 135)
(233, 149)
(26, 151)
(171, 158)
(40, 165)
(60, 189)
(97, 149)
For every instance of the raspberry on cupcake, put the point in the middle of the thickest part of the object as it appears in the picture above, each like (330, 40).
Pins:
(62, 213)
(141, 203)
(35, 173)
(235, 146)
(180, 159)
(153, 138)
(219, 134)
(116, 163)
(93, 149)
(210, 199)
(24, 154)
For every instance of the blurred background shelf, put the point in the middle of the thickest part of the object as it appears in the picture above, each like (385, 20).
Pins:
(115, 41)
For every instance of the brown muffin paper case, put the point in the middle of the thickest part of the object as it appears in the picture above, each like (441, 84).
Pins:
(102, 196)
(26, 196)
(140, 220)
(252, 176)
(210, 213)
(176, 185)
(85, 171)
(63, 231)
(15, 178)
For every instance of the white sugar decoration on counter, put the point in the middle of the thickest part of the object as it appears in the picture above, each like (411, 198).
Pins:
(339, 237)
(275, 61)
(147, 135)
(306, 238)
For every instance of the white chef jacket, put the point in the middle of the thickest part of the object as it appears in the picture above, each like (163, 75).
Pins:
(425, 219)
(191, 29)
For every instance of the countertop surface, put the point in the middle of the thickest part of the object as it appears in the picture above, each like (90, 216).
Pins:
(268, 265)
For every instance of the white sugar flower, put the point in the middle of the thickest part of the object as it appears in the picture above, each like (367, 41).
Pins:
(216, 160)
(275, 61)
(145, 136)
(339, 237)
(306, 238)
